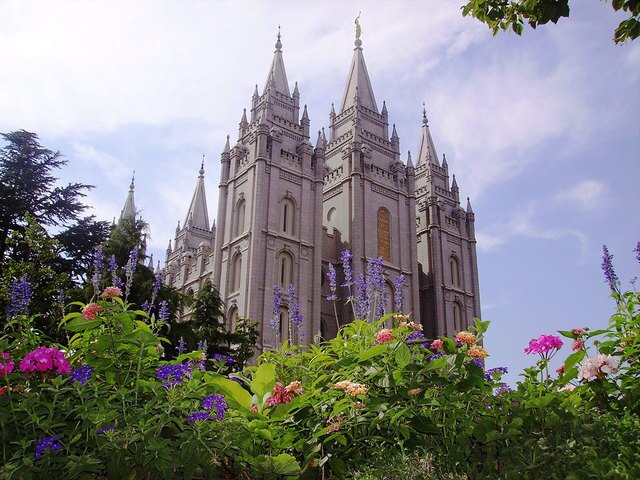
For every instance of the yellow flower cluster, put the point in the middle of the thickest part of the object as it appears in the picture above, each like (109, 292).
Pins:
(477, 352)
(466, 337)
(351, 388)
(416, 327)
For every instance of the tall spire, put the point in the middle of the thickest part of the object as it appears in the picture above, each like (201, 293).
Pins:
(129, 209)
(358, 82)
(277, 76)
(197, 216)
(427, 151)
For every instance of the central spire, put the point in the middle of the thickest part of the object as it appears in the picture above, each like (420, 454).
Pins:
(129, 209)
(427, 152)
(198, 216)
(277, 77)
(358, 83)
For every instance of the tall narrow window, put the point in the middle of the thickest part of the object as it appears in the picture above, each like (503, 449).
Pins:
(232, 319)
(384, 234)
(455, 271)
(457, 317)
(287, 216)
(239, 219)
(284, 324)
(285, 269)
(236, 272)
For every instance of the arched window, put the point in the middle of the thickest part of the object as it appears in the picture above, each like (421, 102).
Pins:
(284, 324)
(285, 269)
(236, 272)
(457, 317)
(287, 215)
(455, 271)
(384, 234)
(232, 319)
(239, 218)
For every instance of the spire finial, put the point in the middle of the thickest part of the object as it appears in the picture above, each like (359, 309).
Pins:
(425, 120)
(202, 166)
(278, 42)
(358, 42)
(133, 178)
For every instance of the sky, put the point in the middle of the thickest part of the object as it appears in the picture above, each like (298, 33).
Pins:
(541, 130)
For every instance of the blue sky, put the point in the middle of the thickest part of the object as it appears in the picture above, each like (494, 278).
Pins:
(541, 131)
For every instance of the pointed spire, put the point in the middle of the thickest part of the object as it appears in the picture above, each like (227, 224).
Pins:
(197, 215)
(296, 92)
(358, 83)
(320, 141)
(158, 266)
(255, 92)
(243, 120)
(277, 77)
(454, 184)
(469, 209)
(409, 161)
(305, 115)
(333, 111)
(394, 133)
(384, 108)
(324, 137)
(169, 249)
(444, 161)
(178, 227)
(227, 146)
(129, 209)
(427, 151)
(150, 263)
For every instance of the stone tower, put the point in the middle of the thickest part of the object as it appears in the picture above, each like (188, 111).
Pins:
(449, 291)
(369, 197)
(270, 212)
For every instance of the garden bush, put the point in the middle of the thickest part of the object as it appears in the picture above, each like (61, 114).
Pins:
(378, 401)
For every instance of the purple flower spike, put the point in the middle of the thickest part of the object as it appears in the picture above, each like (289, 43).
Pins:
(332, 282)
(397, 292)
(345, 258)
(19, 297)
(50, 443)
(607, 268)
(82, 374)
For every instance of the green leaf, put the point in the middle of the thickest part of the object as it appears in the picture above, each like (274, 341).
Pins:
(574, 358)
(403, 356)
(372, 352)
(68, 317)
(285, 464)
(264, 380)
(80, 324)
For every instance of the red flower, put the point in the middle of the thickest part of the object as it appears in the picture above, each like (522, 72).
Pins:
(89, 312)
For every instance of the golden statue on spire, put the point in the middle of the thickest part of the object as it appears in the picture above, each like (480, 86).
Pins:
(358, 28)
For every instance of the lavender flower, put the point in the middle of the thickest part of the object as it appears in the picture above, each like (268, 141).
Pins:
(163, 311)
(173, 373)
(103, 430)
(397, 292)
(203, 345)
(502, 389)
(478, 363)
(48, 443)
(199, 416)
(146, 306)
(332, 282)
(433, 357)
(224, 358)
(19, 297)
(82, 374)
(295, 317)
(157, 283)
(129, 270)
(417, 338)
(637, 250)
(607, 268)
(383, 300)
(277, 304)
(112, 268)
(182, 346)
(98, 265)
(217, 402)
(361, 302)
(489, 374)
(345, 257)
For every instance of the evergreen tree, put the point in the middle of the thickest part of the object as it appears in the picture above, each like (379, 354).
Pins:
(28, 186)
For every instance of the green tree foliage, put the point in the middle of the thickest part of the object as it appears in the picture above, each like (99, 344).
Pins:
(513, 14)
(207, 322)
(28, 186)
(35, 254)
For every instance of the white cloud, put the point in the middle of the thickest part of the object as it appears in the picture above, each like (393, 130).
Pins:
(109, 167)
(587, 195)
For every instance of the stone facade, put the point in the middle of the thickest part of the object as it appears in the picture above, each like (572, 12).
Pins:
(287, 209)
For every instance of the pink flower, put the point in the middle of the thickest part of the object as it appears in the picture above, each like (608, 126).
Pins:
(384, 336)
(437, 344)
(295, 388)
(577, 345)
(560, 370)
(465, 337)
(545, 346)
(578, 331)
(111, 292)
(254, 408)
(44, 359)
(89, 312)
(567, 388)
(6, 367)
(598, 366)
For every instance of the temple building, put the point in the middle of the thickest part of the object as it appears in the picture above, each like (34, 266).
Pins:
(289, 206)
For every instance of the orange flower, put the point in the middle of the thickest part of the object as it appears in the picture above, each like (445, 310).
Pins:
(465, 337)
(415, 391)
(89, 312)
(478, 352)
